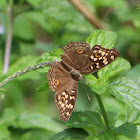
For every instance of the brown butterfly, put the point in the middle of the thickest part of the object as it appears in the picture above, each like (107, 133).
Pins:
(77, 57)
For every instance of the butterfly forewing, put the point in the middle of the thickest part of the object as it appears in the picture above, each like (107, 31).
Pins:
(99, 57)
(76, 54)
(57, 77)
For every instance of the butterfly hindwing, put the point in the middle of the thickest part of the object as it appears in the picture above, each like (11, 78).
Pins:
(65, 100)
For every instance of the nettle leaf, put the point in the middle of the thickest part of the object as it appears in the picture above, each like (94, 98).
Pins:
(71, 134)
(85, 119)
(102, 135)
(101, 37)
(50, 56)
(97, 85)
(36, 120)
(128, 129)
(126, 91)
(114, 68)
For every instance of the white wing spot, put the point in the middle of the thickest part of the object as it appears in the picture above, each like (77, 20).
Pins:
(62, 105)
(97, 67)
(112, 57)
(91, 67)
(103, 53)
(100, 58)
(66, 96)
(63, 93)
(71, 107)
(97, 64)
(95, 59)
(67, 113)
(72, 91)
(92, 57)
(104, 60)
(106, 63)
(72, 97)
(59, 97)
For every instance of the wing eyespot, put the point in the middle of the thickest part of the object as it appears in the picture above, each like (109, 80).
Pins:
(80, 51)
(63, 99)
(56, 82)
(97, 54)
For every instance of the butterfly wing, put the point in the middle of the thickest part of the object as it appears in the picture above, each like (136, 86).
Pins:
(66, 89)
(99, 57)
(75, 54)
(65, 100)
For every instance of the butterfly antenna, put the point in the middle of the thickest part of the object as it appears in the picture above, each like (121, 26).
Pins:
(86, 91)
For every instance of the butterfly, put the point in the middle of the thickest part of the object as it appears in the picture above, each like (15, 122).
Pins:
(78, 57)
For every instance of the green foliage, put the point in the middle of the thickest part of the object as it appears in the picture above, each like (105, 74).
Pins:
(126, 91)
(128, 130)
(85, 120)
(71, 133)
(41, 28)
(106, 39)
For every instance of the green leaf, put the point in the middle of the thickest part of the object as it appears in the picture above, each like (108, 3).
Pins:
(4, 133)
(122, 137)
(109, 135)
(50, 56)
(114, 68)
(85, 119)
(126, 91)
(27, 31)
(104, 135)
(128, 129)
(133, 74)
(93, 137)
(97, 85)
(71, 134)
(9, 116)
(132, 115)
(101, 37)
(43, 87)
(36, 120)
(34, 2)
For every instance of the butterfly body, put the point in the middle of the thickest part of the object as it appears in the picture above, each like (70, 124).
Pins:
(77, 59)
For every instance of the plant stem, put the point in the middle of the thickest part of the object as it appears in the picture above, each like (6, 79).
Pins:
(8, 38)
(21, 72)
(88, 14)
(98, 97)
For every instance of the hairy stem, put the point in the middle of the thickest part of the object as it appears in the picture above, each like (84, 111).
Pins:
(21, 72)
(102, 109)
(8, 38)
